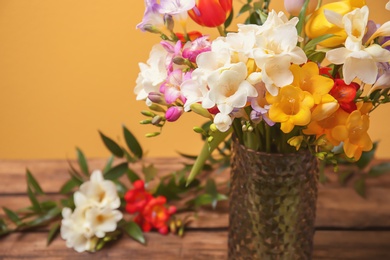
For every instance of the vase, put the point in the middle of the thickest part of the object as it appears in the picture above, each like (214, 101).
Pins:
(272, 204)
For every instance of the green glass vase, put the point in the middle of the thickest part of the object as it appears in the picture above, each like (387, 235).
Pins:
(272, 204)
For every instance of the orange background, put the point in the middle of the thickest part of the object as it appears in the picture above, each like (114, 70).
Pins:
(68, 69)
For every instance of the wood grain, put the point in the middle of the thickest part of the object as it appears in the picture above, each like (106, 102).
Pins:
(348, 226)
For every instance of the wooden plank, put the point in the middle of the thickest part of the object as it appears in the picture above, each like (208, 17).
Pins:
(51, 174)
(336, 207)
(195, 245)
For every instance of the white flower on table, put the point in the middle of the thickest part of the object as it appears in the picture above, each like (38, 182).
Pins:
(95, 213)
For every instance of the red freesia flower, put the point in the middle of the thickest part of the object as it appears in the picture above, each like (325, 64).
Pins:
(211, 13)
(137, 198)
(155, 215)
(345, 94)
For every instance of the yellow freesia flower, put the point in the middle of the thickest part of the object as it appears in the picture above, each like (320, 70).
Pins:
(308, 79)
(325, 127)
(290, 107)
(318, 25)
(354, 134)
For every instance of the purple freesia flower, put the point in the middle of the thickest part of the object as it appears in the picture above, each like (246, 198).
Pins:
(152, 16)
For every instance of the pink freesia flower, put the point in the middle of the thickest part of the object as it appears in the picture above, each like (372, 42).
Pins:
(173, 113)
(171, 88)
(173, 51)
(192, 49)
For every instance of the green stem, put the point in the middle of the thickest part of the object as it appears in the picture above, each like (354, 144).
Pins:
(221, 31)
(267, 138)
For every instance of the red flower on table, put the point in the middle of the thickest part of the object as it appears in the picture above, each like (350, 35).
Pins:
(137, 198)
(152, 212)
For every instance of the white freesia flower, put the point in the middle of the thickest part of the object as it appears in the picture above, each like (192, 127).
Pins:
(222, 122)
(177, 8)
(152, 74)
(74, 231)
(229, 89)
(359, 61)
(194, 90)
(276, 50)
(95, 213)
(383, 82)
(388, 6)
(98, 192)
(102, 220)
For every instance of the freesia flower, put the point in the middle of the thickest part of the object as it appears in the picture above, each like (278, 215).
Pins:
(155, 215)
(73, 230)
(354, 135)
(222, 122)
(318, 25)
(152, 74)
(137, 198)
(192, 49)
(290, 107)
(176, 8)
(229, 89)
(276, 50)
(308, 79)
(294, 7)
(345, 94)
(211, 13)
(388, 6)
(102, 220)
(152, 19)
(97, 191)
(173, 113)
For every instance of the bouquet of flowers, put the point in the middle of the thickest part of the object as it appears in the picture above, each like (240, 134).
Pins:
(279, 84)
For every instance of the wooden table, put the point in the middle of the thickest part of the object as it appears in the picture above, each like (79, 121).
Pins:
(347, 226)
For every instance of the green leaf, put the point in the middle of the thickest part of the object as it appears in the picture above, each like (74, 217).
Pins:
(360, 187)
(12, 216)
(48, 216)
(120, 188)
(367, 157)
(311, 45)
(32, 182)
(149, 172)
(244, 8)
(229, 20)
(112, 146)
(69, 185)
(378, 170)
(116, 172)
(34, 202)
(206, 199)
(53, 232)
(211, 188)
(302, 17)
(108, 164)
(82, 162)
(345, 176)
(134, 231)
(132, 143)
(132, 176)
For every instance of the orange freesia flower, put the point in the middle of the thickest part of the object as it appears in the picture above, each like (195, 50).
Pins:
(354, 134)
(211, 13)
(290, 107)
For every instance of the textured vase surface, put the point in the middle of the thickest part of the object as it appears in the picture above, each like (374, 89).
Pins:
(272, 205)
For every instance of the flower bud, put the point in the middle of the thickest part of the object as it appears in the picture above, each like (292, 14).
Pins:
(168, 21)
(156, 120)
(173, 113)
(211, 13)
(294, 7)
(197, 108)
(155, 97)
